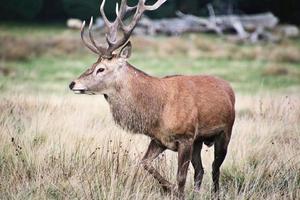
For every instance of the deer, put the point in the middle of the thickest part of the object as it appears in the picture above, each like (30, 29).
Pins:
(179, 112)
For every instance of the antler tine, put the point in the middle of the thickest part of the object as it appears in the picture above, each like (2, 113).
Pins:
(111, 37)
(99, 48)
(141, 8)
(92, 48)
(127, 30)
(112, 27)
(155, 6)
(107, 22)
(117, 9)
(124, 9)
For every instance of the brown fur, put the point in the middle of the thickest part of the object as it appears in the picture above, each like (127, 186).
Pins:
(178, 112)
(132, 107)
(172, 107)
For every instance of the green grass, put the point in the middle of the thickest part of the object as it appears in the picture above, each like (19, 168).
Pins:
(243, 65)
(56, 72)
(245, 75)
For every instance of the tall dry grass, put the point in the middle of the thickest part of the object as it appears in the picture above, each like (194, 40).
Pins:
(68, 148)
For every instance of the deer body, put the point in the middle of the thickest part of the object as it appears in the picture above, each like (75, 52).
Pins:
(167, 109)
(180, 113)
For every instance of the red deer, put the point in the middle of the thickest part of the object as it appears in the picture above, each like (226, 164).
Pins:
(178, 113)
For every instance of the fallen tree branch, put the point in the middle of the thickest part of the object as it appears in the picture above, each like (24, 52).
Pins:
(247, 27)
(250, 28)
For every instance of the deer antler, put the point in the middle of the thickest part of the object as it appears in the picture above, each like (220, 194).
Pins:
(112, 27)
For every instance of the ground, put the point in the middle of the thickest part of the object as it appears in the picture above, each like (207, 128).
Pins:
(58, 145)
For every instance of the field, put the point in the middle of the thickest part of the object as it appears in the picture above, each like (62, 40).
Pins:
(57, 145)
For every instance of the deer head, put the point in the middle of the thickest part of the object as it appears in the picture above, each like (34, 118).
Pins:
(109, 67)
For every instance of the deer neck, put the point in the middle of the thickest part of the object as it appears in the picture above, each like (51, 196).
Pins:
(137, 101)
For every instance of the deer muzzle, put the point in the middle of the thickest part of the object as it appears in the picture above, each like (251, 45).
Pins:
(77, 87)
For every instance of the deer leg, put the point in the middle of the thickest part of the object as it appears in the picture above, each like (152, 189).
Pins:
(154, 149)
(197, 164)
(220, 150)
(184, 157)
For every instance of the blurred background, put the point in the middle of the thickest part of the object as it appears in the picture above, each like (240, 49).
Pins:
(254, 44)
(288, 11)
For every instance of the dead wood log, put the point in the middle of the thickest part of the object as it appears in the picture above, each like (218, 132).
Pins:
(247, 27)
(251, 28)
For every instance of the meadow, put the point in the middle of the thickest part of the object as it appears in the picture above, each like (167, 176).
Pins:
(58, 145)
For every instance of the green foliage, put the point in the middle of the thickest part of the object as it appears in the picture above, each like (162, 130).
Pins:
(24, 9)
(52, 10)
(287, 11)
(85, 9)
(81, 9)
(166, 10)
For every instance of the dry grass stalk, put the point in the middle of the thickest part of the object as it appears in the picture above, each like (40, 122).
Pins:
(58, 151)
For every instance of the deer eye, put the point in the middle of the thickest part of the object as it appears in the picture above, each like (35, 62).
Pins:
(99, 70)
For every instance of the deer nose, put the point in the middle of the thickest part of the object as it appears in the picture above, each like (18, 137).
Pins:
(71, 86)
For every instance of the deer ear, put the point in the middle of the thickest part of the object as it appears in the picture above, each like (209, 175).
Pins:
(126, 50)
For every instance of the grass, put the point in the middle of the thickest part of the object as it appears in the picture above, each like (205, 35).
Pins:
(55, 145)
(244, 75)
(61, 147)
(60, 57)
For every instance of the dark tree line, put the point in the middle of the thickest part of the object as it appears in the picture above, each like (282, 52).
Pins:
(45, 10)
